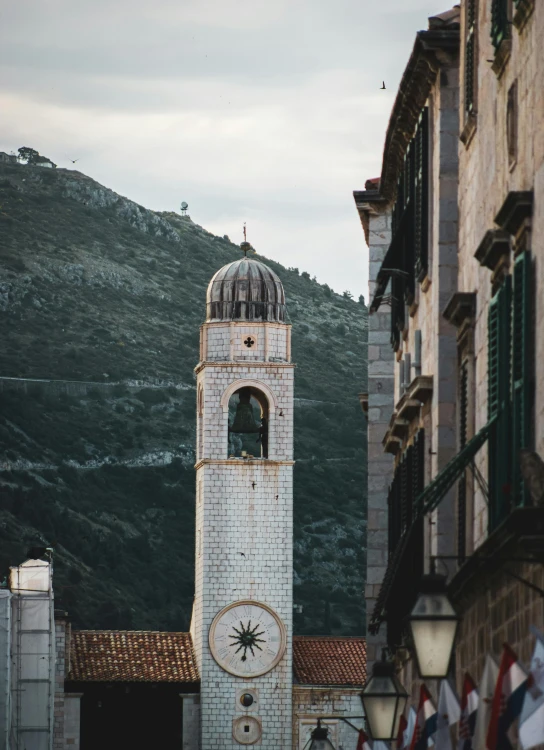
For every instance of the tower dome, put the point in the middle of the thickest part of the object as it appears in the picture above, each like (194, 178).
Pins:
(245, 290)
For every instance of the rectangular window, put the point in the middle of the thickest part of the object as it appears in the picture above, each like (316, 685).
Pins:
(471, 37)
(499, 314)
(500, 28)
(408, 483)
(512, 124)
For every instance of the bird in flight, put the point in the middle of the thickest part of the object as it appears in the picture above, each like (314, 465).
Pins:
(383, 85)
(74, 160)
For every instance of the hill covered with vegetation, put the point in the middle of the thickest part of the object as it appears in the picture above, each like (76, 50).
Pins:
(101, 302)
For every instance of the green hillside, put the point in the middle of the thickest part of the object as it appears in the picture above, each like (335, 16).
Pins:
(108, 295)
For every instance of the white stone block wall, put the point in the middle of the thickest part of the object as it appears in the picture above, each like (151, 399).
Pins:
(244, 530)
(309, 703)
(226, 342)
(191, 721)
(72, 720)
(380, 407)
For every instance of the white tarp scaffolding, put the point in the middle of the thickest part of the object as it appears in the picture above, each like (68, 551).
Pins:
(5, 666)
(32, 656)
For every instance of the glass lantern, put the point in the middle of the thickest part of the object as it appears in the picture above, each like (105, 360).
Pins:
(433, 624)
(384, 699)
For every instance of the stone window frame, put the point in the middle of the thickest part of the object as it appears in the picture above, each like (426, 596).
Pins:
(512, 129)
(470, 50)
(501, 41)
(523, 10)
(461, 312)
(501, 251)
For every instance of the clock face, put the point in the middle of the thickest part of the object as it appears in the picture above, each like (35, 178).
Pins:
(247, 639)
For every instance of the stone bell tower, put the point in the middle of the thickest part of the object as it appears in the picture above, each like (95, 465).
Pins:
(242, 618)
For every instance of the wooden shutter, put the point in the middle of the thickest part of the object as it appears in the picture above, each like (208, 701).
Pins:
(499, 316)
(421, 189)
(521, 369)
(470, 57)
(406, 489)
(394, 503)
(462, 485)
(418, 470)
(499, 22)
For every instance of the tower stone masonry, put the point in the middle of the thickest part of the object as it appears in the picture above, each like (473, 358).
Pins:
(244, 512)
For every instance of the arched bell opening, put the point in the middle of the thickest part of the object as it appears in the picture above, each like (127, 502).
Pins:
(248, 424)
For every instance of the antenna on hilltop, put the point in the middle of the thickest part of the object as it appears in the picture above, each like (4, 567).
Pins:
(184, 206)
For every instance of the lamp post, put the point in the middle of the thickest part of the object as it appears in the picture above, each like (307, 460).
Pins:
(320, 739)
(384, 699)
(433, 625)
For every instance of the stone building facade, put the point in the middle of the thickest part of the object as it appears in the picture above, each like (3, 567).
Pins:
(498, 313)
(461, 282)
(376, 221)
(410, 220)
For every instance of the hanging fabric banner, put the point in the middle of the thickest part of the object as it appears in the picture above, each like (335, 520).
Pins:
(469, 711)
(486, 692)
(426, 721)
(507, 700)
(449, 713)
(531, 722)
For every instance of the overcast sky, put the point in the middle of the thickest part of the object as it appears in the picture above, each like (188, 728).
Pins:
(265, 111)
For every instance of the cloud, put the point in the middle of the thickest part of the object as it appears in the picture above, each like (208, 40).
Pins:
(246, 109)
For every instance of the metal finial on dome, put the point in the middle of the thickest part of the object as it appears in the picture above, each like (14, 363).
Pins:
(245, 246)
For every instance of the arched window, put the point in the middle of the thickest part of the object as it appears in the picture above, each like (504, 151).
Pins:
(248, 424)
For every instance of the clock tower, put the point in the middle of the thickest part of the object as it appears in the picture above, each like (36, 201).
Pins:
(242, 618)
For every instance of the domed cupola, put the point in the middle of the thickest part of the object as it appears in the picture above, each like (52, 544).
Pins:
(245, 290)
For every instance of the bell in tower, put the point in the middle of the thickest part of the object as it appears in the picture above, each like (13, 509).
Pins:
(244, 418)
(248, 430)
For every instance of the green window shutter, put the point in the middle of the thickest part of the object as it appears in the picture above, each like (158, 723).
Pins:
(421, 188)
(470, 53)
(418, 470)
(521, 369)
(499, 316)
(500, 29)
(462, 485)
(406, 502)
(493, 358)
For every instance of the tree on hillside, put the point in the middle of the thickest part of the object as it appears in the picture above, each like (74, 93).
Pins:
(27, 155)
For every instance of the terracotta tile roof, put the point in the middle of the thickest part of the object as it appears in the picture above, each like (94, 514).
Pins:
(151, 656)
(329, 660)
(131, 656)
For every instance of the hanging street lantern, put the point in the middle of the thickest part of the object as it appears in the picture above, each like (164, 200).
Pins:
(433, 625)
(320, 739)
(384, 700)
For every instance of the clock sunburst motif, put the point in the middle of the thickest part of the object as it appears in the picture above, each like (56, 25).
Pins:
(247, 638)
